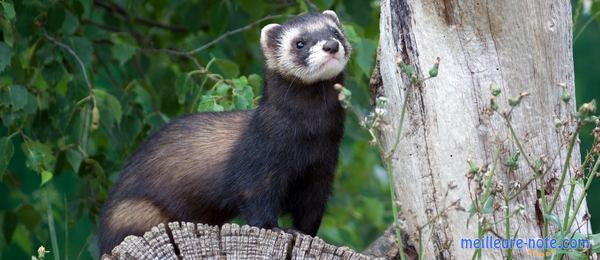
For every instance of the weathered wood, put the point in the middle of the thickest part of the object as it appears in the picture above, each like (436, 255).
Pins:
(199, 241)
(521, 45)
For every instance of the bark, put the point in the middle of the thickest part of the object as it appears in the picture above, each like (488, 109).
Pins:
(521, 46)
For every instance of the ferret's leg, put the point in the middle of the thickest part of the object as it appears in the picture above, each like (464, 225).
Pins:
(307, 198)
(261, 206)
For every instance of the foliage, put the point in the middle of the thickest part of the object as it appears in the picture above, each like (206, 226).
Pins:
(83, 82)
(587, 62)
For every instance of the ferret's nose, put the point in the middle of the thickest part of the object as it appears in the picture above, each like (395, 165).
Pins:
(331, 46)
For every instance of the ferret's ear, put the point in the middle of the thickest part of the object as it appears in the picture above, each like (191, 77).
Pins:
(268, 36)
(332, 15)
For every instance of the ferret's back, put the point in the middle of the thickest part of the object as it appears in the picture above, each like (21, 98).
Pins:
(172, 175)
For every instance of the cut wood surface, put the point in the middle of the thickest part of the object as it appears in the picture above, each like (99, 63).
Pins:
(199, 241)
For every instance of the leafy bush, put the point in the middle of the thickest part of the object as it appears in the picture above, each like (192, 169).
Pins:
(83, 82)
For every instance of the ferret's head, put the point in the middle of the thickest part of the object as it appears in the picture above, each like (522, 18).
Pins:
(309, 48)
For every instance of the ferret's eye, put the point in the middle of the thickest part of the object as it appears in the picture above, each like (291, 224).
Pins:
(300, 44)
(336, 33)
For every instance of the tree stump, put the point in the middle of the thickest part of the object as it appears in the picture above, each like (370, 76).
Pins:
(200, 241)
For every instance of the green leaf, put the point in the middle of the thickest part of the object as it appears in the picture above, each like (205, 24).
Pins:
(74, 158)
(513, 160)
(55, 19)
(22, 238)
(70, 24)
(488, 206)
(256, 82)
(374, 210)
(7, 150)
(108, 102)
(28, 216)
(241, 102)
(9, 225)
(206, 103)
(92, 168)
(217, 108)
(495, 89)
(123, 49)
(83, 48)
(39, 156)
(574, 254)
(249, 95)
(18, 96)
(433, 72)
(228, 68)
(553, 219)
(595, 239)
(46, 176)
(9, 10)
(4, 56)
(366, 55)
(222, 89)
(254, 8)
(87, 6)
(53, 73)
(351, 34)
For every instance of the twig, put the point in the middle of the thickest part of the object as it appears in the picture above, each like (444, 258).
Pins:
(591, 177)
(391, 152)
(521, 149)
(72, 52)
(232, 32)
(175, 52)
(113, 7)
(52, 229)
(589, 21)
(88, 109)
(565, 168)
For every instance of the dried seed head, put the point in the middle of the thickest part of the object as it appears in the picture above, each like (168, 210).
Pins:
(579, 174)
(499, 187)
(588, 108)
(399, 60)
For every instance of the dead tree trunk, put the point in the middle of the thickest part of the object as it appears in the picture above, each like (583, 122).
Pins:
(522, 46)
(182, 240)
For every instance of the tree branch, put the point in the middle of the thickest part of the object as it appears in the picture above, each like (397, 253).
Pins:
(113, 7)
(92, 104)
(72, 52)
(238, 30)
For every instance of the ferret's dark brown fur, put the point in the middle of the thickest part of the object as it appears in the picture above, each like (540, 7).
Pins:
(210, 167)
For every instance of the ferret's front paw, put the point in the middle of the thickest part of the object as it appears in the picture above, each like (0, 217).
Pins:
(292, 231)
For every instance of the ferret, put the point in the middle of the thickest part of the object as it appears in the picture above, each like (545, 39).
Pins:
(279, 158)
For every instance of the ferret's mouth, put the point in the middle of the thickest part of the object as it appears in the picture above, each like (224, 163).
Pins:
(329, 61)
